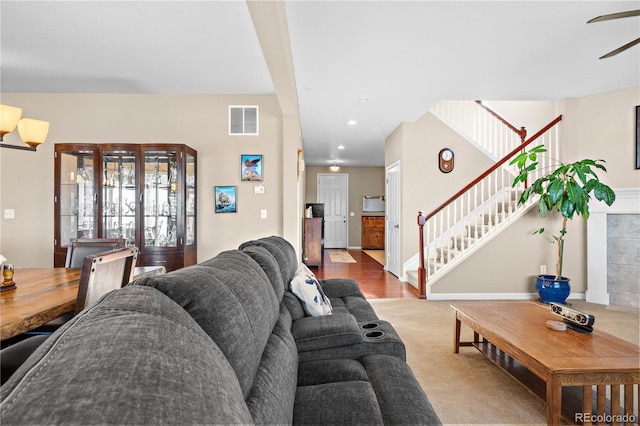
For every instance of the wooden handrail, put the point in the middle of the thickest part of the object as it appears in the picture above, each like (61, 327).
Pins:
(522, 132)
(494, 167)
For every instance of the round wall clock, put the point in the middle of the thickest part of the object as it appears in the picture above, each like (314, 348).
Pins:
(445, 160)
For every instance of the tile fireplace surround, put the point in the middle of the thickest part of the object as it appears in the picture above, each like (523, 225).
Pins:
(604, 277)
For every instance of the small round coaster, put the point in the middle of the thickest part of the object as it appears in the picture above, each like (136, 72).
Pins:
(556, 325)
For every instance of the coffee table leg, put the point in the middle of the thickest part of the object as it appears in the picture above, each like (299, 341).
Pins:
(554, 400)
(456, 337)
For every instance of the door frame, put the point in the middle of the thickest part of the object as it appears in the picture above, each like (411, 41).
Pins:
(389, 197)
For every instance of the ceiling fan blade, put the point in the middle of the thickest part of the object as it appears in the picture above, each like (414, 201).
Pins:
(614, 16)
(621, 49)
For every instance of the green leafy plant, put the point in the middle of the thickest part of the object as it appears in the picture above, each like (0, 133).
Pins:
(566, 189)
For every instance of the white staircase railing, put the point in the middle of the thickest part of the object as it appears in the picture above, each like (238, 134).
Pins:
(479, 211)
(482, 126)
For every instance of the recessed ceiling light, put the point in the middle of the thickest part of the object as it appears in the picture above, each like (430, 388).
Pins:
(340, 146)
(352, 122)
(363, 100)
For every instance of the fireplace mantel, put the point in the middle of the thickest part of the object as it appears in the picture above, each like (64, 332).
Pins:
(627, 202)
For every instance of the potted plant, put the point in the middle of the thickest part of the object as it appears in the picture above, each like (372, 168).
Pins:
(565, 189)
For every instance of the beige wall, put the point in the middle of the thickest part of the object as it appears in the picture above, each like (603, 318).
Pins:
(599, 126)
(603, 126)
(424, 186)
(199, 121)
(362, 181)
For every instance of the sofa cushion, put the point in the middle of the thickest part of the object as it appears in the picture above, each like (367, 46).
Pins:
(382, 387)
(306, 287)
(294, 305)
(368, 338)
(402, 401)
(231, 298)
(337, 403)
(269, 265)
(135, 357)
(345, 295)
(325, 371)
(329, 331)
(357, 306)
(273, 393)
(282, 251)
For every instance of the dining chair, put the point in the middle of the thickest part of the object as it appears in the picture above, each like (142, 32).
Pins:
(103, 272)
(78, 248)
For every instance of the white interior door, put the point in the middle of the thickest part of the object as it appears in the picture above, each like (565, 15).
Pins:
(333, 191)
(392, 226)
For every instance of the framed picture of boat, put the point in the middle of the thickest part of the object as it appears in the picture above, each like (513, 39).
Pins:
(225, 199)
(251, 168)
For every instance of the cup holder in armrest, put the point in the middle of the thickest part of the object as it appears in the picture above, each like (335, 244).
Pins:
(369, 325)
(374, 334)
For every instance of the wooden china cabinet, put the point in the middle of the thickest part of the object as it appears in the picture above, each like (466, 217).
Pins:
(144, 193)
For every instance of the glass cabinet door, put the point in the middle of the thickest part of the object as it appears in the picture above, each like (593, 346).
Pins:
(119, 195)
(190, 207)
(78, 199)
(143, 193)
(160, 218)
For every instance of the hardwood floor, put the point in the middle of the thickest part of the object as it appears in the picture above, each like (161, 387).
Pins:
(375, 282)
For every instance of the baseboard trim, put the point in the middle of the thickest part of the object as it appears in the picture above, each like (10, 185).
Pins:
(492, 296)
(597, 297)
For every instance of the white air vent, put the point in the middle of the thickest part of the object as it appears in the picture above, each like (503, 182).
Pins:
(243, 120)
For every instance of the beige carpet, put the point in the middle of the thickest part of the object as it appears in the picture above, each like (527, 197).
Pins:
(466, 388)
(377, 255)
(341, 256)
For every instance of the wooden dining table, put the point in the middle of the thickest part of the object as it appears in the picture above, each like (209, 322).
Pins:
(42, 295)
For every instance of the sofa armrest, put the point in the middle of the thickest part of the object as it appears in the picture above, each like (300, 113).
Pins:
(327, 331)
(340, 287)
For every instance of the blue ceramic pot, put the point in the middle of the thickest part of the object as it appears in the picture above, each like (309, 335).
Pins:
(551, 290)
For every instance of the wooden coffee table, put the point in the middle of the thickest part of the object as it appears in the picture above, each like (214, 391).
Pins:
(514, 336)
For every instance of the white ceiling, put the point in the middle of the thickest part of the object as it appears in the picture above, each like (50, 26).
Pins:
(402, 56)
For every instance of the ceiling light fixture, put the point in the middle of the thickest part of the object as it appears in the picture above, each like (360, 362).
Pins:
(352, 122)
(33, 132)
(334, 166)
(363, 100)
(340, 146)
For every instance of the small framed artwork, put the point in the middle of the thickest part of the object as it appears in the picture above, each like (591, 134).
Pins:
(225, 199)
(251, 168)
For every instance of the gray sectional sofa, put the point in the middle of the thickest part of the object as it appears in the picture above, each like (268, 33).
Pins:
(221, 342)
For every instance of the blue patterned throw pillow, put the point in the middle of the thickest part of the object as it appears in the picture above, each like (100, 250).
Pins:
(306, 287)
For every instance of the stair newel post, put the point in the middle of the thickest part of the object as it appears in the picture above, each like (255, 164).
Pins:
(422, 273)
(523, 137)
(523, 134)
